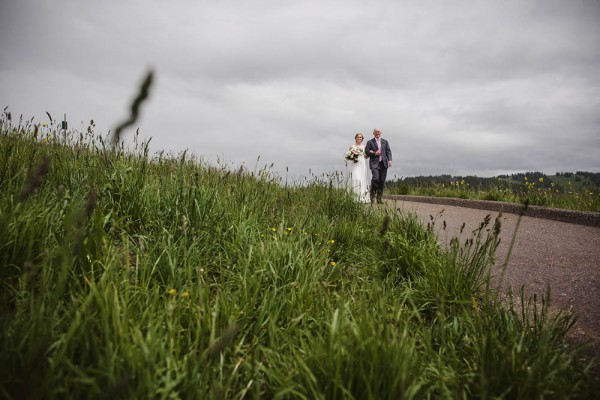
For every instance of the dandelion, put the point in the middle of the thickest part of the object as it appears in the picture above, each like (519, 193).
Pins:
(289, 229)
(331, 241)
(172, 292)
(541, 180)
(462, 182)
(333, 263)
(273, 230)
(185, 294)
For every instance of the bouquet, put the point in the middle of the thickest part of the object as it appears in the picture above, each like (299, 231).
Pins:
(353, 154)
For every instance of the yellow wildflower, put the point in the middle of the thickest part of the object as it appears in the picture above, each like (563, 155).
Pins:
(331, 241)
(273, 229)
(172, 292)
(333, 263)
(185, 294)
(541, 180)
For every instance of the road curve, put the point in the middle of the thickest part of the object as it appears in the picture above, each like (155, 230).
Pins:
(563, 256)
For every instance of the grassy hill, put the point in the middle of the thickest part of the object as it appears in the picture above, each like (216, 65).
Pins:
(126, 275)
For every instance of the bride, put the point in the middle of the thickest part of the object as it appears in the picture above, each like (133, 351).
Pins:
(358, 169)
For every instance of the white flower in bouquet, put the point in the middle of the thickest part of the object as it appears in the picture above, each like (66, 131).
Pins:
(354, 154)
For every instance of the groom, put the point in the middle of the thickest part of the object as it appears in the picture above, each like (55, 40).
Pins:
(380, 159)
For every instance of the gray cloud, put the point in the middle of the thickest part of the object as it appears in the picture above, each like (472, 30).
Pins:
(460, 87)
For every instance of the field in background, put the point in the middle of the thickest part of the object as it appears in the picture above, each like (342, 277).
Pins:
(126, 275)
(566, 190)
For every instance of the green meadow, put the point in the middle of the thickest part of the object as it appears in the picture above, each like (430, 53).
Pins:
(570, 191)
(133, 275)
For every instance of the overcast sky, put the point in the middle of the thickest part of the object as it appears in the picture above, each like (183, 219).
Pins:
(457, 87)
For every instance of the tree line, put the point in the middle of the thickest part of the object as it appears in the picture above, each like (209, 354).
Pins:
(513, 181)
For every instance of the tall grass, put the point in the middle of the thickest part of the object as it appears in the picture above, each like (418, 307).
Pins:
(540, 192)
(130, 276)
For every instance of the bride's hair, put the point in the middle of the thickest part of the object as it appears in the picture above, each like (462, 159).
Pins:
(359, 134)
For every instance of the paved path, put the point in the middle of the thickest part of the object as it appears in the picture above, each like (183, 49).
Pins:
(547, 253)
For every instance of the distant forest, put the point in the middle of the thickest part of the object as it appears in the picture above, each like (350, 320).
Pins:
(513, 181)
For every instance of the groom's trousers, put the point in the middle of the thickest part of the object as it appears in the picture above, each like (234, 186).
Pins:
(378, 176)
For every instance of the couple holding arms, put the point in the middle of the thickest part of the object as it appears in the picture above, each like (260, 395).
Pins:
(379, 154)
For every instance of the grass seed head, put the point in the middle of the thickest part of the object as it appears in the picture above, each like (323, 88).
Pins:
(36, 179)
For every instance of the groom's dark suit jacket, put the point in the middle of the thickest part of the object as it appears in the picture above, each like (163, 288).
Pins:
(386, 153)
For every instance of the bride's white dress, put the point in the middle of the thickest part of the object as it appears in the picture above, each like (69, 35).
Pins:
(358, 177)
